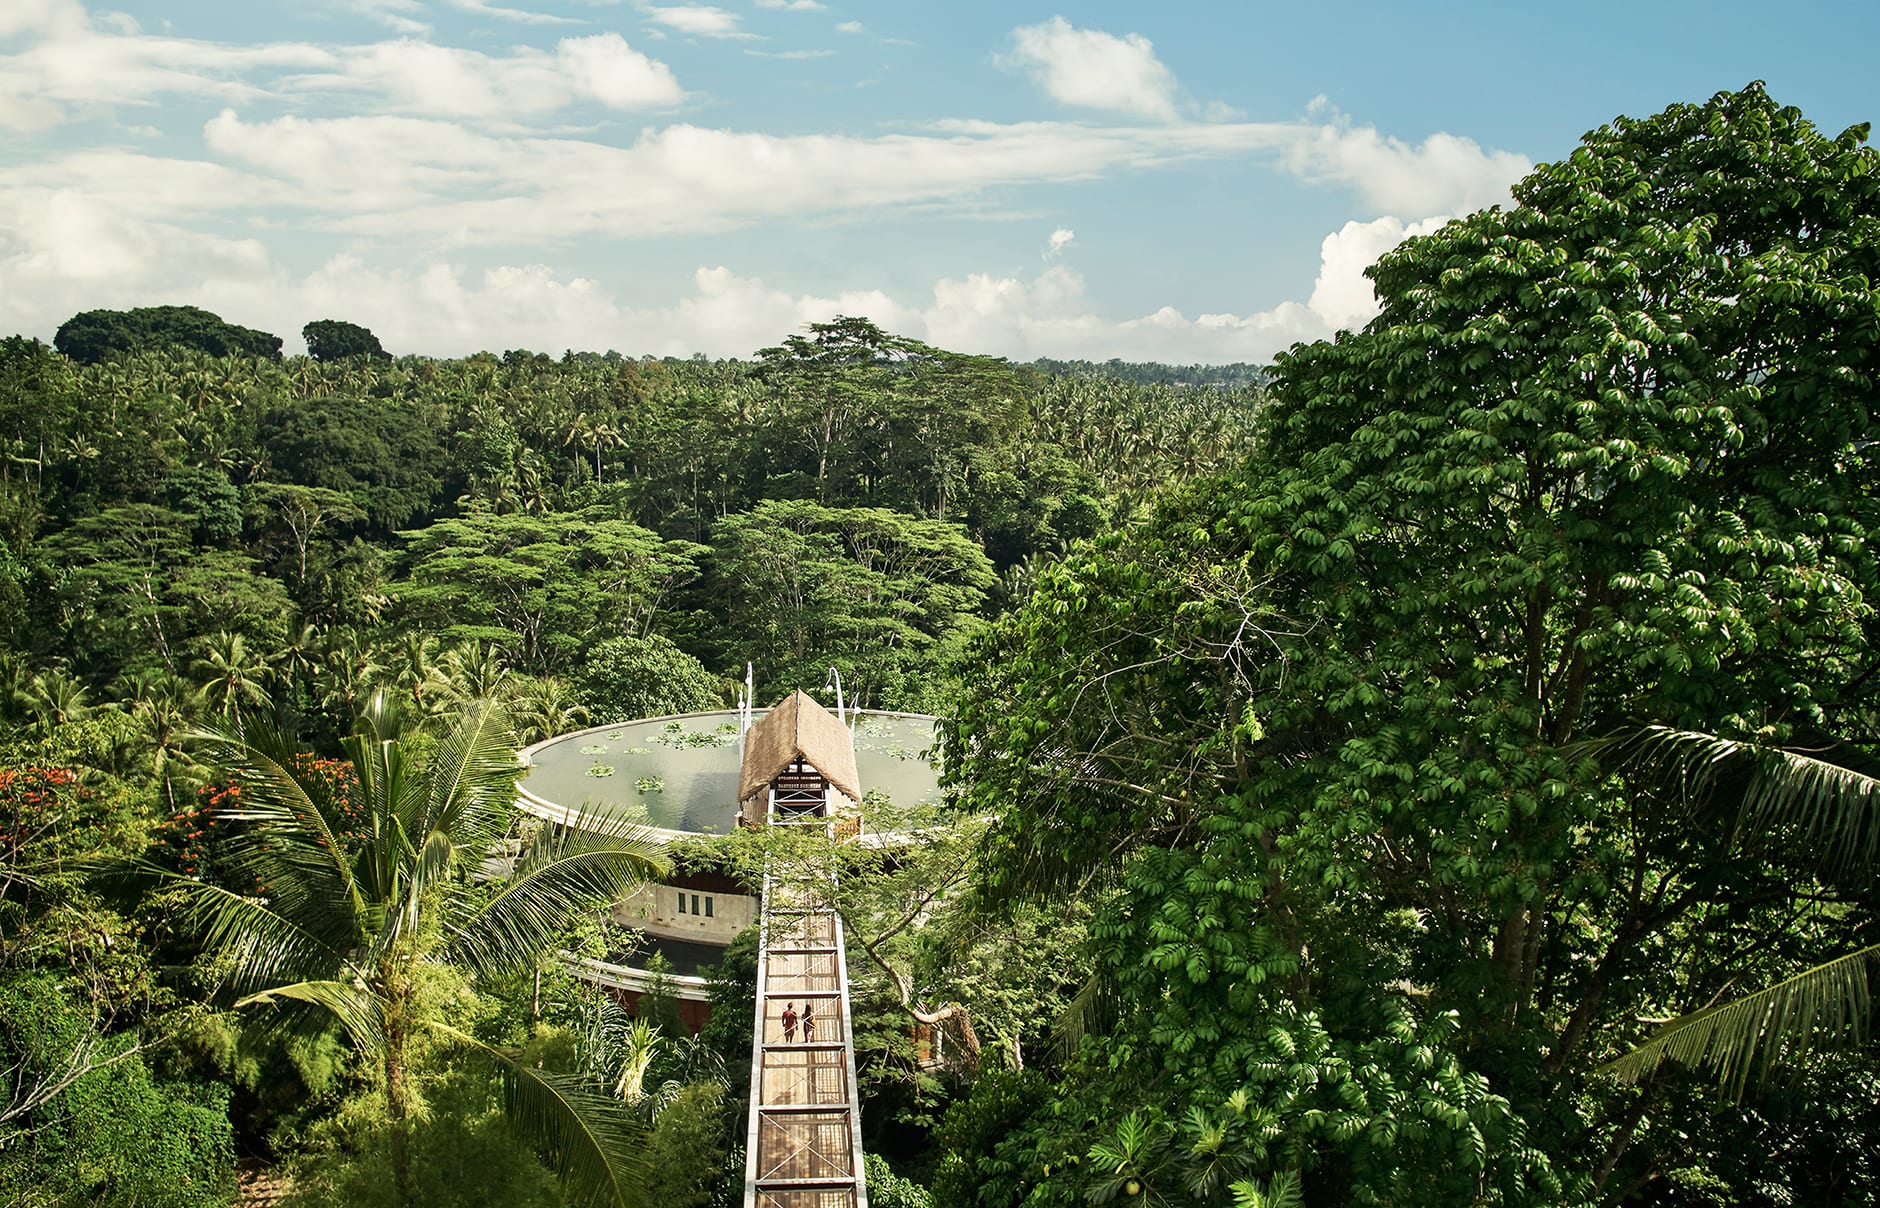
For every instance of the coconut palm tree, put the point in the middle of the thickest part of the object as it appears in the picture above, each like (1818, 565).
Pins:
(232, 675)
(54, 697)
(1826, 811)
(370, 893)
(544, 708)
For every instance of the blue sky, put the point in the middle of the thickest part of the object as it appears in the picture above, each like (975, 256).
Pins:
(1185, 181)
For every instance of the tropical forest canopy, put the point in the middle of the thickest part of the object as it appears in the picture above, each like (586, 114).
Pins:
(1355, 760)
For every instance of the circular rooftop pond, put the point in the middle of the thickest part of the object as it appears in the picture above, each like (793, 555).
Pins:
(683, 771)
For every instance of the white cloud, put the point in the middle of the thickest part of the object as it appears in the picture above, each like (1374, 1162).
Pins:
(795, 6)
(521, 16)
(848, 27)
(1094, 69)
(701, 20)
(453, 184)
(1342, 296)
(65, 17)
(790, 54)
(400, 15)
(1060, 239)
(61, 252)
(1443, 173)
(79, 62)
(420, 77)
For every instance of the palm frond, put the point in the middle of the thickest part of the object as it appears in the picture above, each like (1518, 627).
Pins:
(590, 1140)
(1834, 809)
(356, 1008)
(1089, 1010)
(1743, 1038)
(379, 766)
(1837, 809)
(267, 947)
(294, 846)
(563, 873)
(472, 781)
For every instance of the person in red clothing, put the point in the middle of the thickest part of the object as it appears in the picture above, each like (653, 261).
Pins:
(789, 1023)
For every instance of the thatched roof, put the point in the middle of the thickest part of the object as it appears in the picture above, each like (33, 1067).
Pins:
(799, 728)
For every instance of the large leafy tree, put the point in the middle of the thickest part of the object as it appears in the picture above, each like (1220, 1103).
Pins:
(96, 335)
(364, 897)
(379, 452)
(336, 339)
(542, 586)
(1604, 457)
(878, 593)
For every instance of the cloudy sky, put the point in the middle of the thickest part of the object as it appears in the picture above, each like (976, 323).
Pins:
(1203, 180)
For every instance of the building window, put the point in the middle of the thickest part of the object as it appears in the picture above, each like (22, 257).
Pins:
(694, 903)
(682, 903)
(708, 908)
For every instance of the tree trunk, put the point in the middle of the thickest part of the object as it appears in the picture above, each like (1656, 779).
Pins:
(397, 1080)
(398, 1109)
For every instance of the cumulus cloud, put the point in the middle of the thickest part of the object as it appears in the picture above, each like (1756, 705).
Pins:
(1342, 296)
(1094, 69)
(700, 20)
(64, 251)
(1060, 239)
(1443, 173)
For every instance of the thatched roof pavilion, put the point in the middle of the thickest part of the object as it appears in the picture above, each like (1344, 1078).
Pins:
(797, 734)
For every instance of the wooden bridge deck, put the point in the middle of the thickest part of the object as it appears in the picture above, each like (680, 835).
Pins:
(803, 1148)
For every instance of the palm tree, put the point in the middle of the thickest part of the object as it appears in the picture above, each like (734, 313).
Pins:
(54, 697)
(1831, 814)
(369, 893)
(544, 708)
(232, 675)
(159, 703)
(467, 671)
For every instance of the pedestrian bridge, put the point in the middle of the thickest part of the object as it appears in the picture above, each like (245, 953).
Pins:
(803, 1145)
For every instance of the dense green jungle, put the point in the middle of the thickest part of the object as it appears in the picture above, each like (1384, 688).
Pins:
(1436, 768)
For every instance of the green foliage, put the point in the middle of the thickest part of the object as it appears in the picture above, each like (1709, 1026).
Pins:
(463, 1151)
(378, 452)
(372, 916)
(190, 527)
(623, 678)
(542, 586)
(874, 592)
(116, 1135)
(986, 1152)
(685, 1155)
(887, 1189)
(1307, 737)
(98, 335)
(336, 339)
